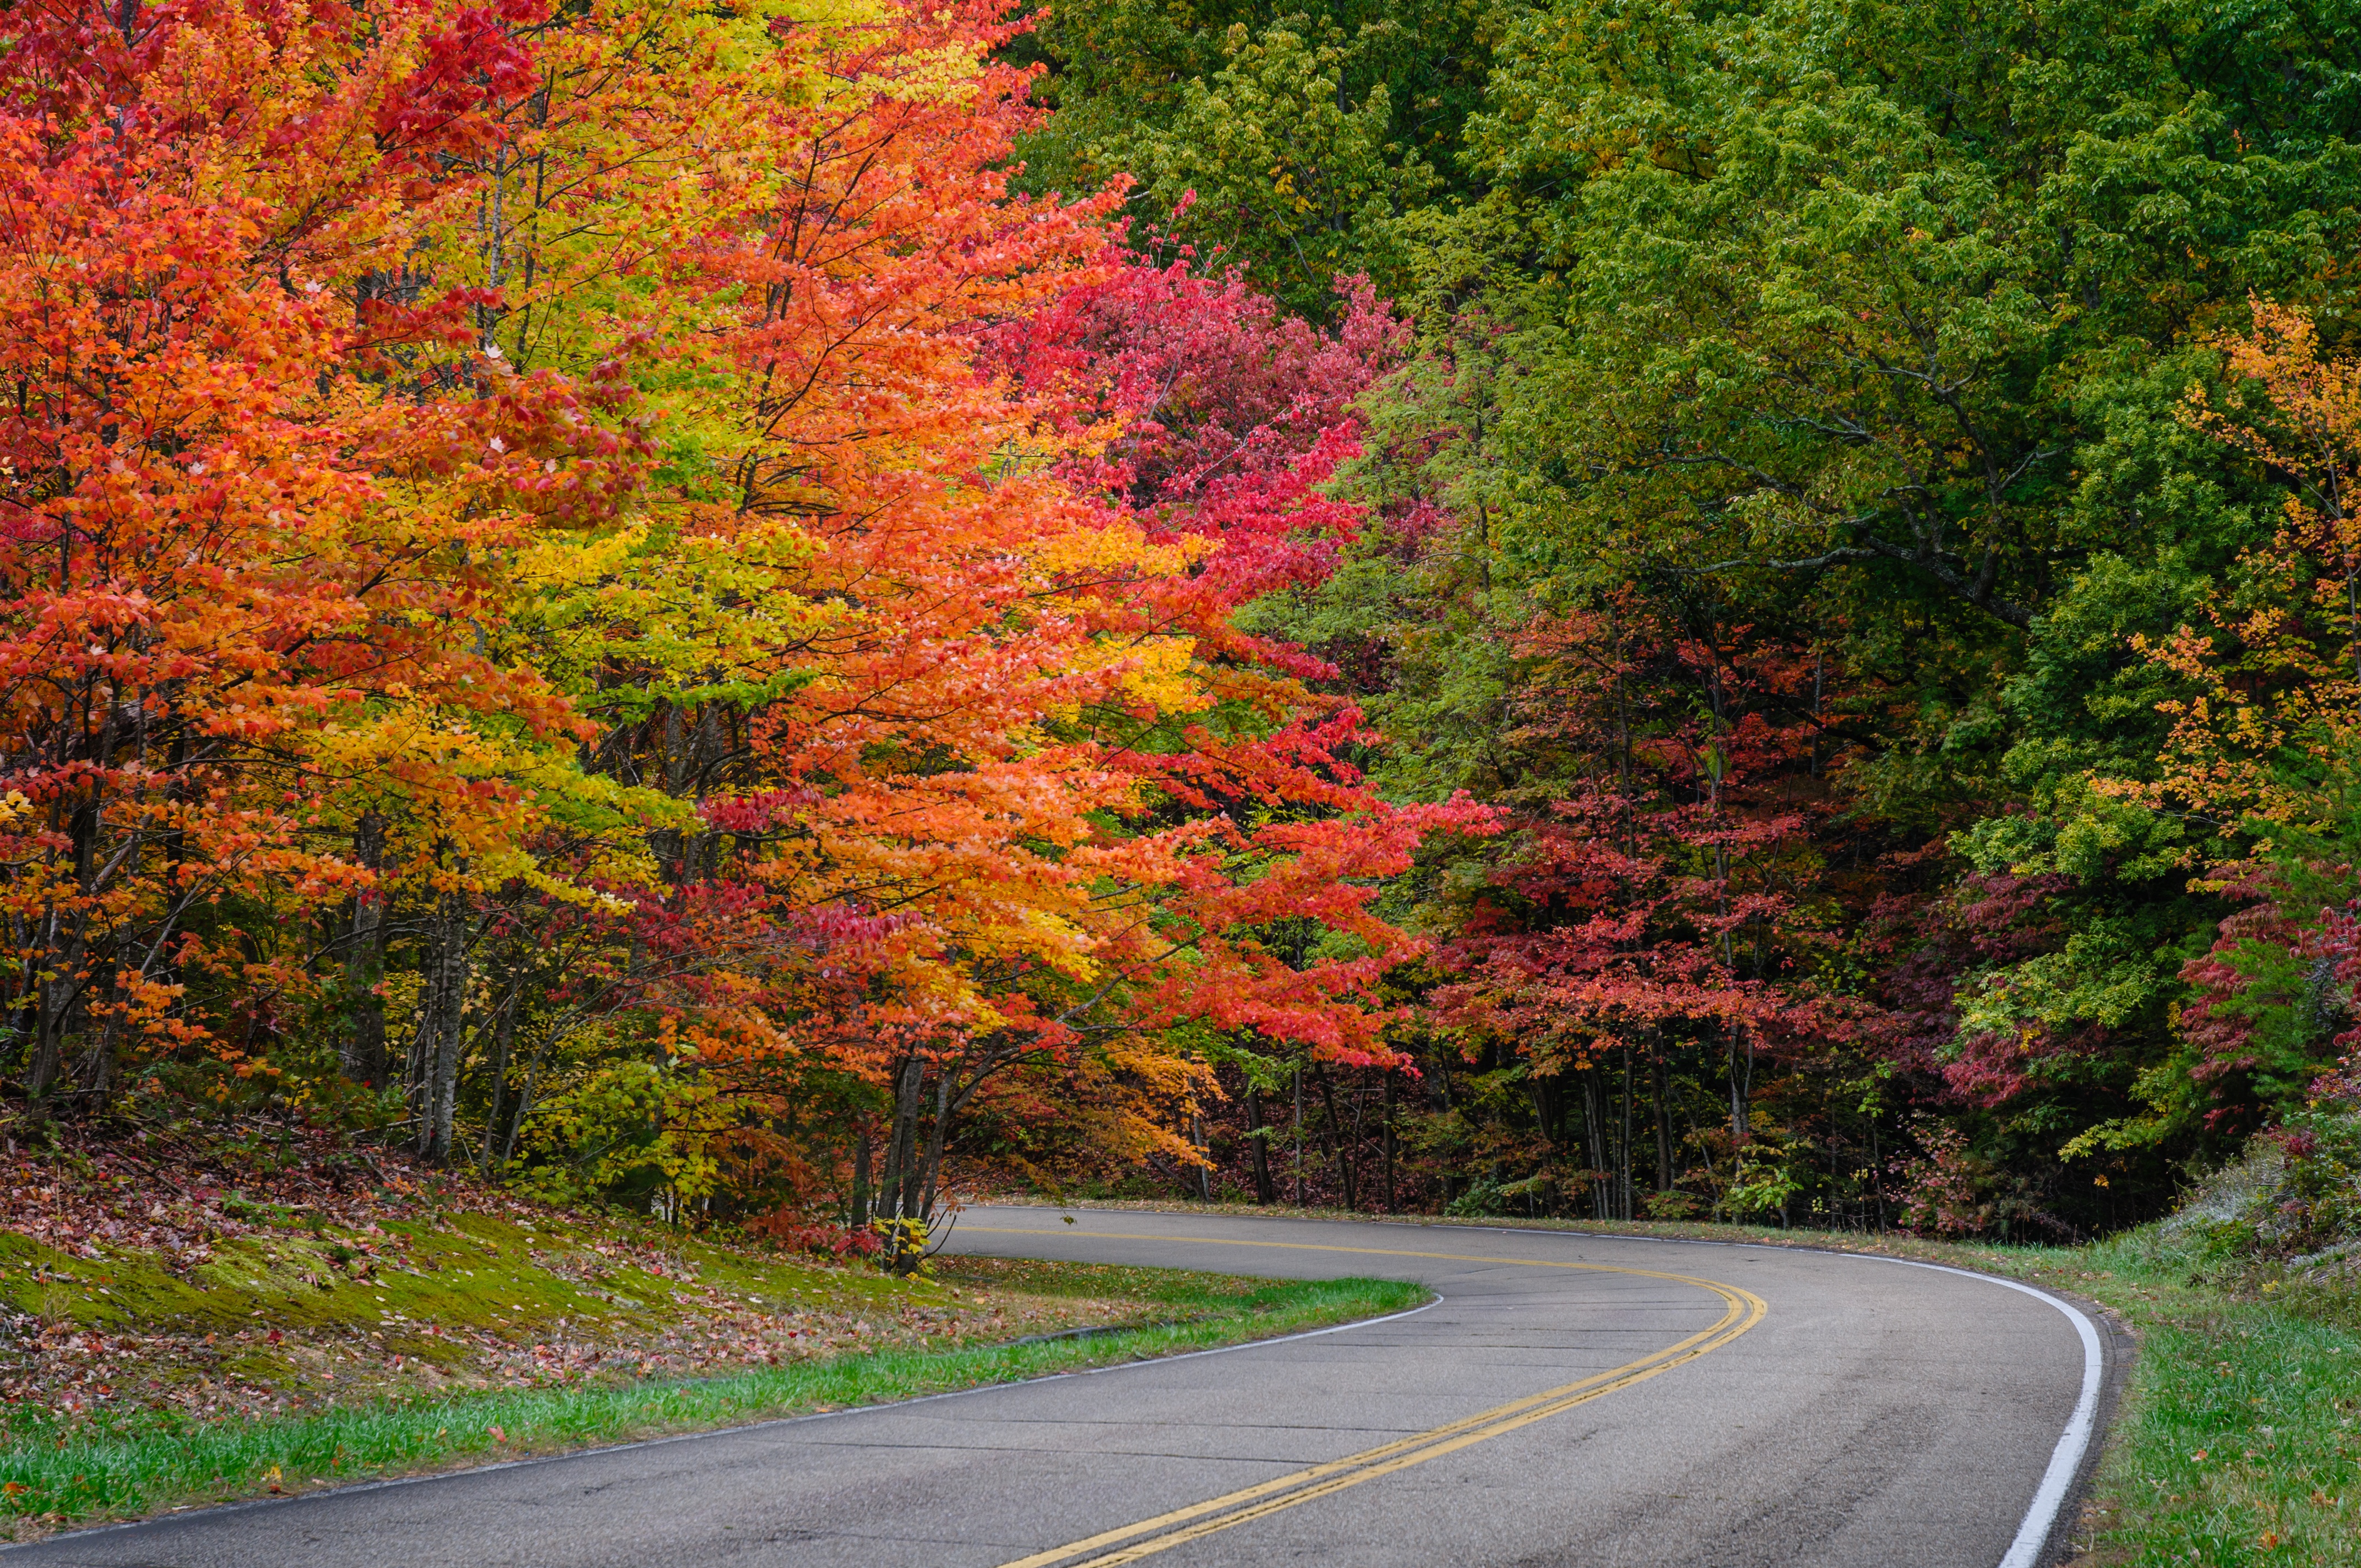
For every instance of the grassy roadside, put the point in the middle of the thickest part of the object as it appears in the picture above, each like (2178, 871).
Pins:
(59, 1471)
(2238, 1441)
(188, 1319)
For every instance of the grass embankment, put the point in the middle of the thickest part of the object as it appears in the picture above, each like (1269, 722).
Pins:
(2238, 1439)
(273, 1349)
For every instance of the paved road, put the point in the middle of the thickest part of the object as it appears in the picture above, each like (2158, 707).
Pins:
(1579, 1400)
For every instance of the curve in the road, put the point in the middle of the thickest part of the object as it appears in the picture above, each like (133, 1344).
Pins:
(1129, 1544)
(1745, 1310)
(1772, 1408)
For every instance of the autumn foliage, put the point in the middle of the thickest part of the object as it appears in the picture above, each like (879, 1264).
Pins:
(592, 583)
(712, 608)
(1660, 909)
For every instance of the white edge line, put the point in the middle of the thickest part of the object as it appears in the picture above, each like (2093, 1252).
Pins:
(2065, 1460)
(391, 1482)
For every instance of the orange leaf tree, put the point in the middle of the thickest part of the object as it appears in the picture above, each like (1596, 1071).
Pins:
(214, 542)
(535, 583)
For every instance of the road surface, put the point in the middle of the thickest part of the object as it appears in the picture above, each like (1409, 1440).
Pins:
(1571, 1399)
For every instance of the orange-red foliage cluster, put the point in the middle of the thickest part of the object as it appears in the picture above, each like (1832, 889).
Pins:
(591, 581)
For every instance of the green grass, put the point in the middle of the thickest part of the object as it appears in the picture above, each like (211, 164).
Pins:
(83, 1473)
(2239, 1439)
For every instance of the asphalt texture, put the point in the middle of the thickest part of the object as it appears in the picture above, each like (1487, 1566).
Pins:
(1860, 1412)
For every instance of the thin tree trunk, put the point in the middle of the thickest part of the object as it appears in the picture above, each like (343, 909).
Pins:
(1387, 1143)
(1876, 1174)
(446, 1065)
(44, 1069)
(49, 1053)
(1547, 1114)
(1360, 1095)
(98, 1065)
(56, 994)
(503, 1039)
(1257, 1147)
(364, 1043)
(900, 1146)
(418, 1062)
(858, 1218)
(1299, 1135)
(1336, 1146)
(524, 1100)
(1705, 1152)
(1737, 1099)
(1664, 1126)
(1624, 1143)
(936, 1136)
(1594, 1121)
(451, 998)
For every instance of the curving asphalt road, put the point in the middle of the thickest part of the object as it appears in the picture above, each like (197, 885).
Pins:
(1571, 1399)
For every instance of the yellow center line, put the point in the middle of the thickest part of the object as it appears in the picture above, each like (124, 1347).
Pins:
(1741, 1311)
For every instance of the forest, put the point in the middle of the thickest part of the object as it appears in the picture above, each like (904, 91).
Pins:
(772, 612)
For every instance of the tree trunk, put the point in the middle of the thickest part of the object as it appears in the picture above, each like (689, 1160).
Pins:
(909, 1174)
(1548, 1111)
(1738, 1096)
(859, 1215)
(1623, 1145)
(1360, 1095)
(1337, 1142)
(58, 996)
(98, 1066)
(503, 1039)
(440, 1037)
(936, 1136)
(1594, 1116)
(417, 1063)
(1299, 1135)
(524, 1098)
(901, 1144)
(1664, 1126)
(1257, 1147)
(1876, 1174)
(446, 1065)
(1387, 1144)
(364, 1043)
(58, 1015)
(454, 1023)
(49, 1023)
(1204, 1155)
(1705, 1152)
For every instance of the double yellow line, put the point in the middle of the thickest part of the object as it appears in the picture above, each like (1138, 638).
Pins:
(1741, 1310)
